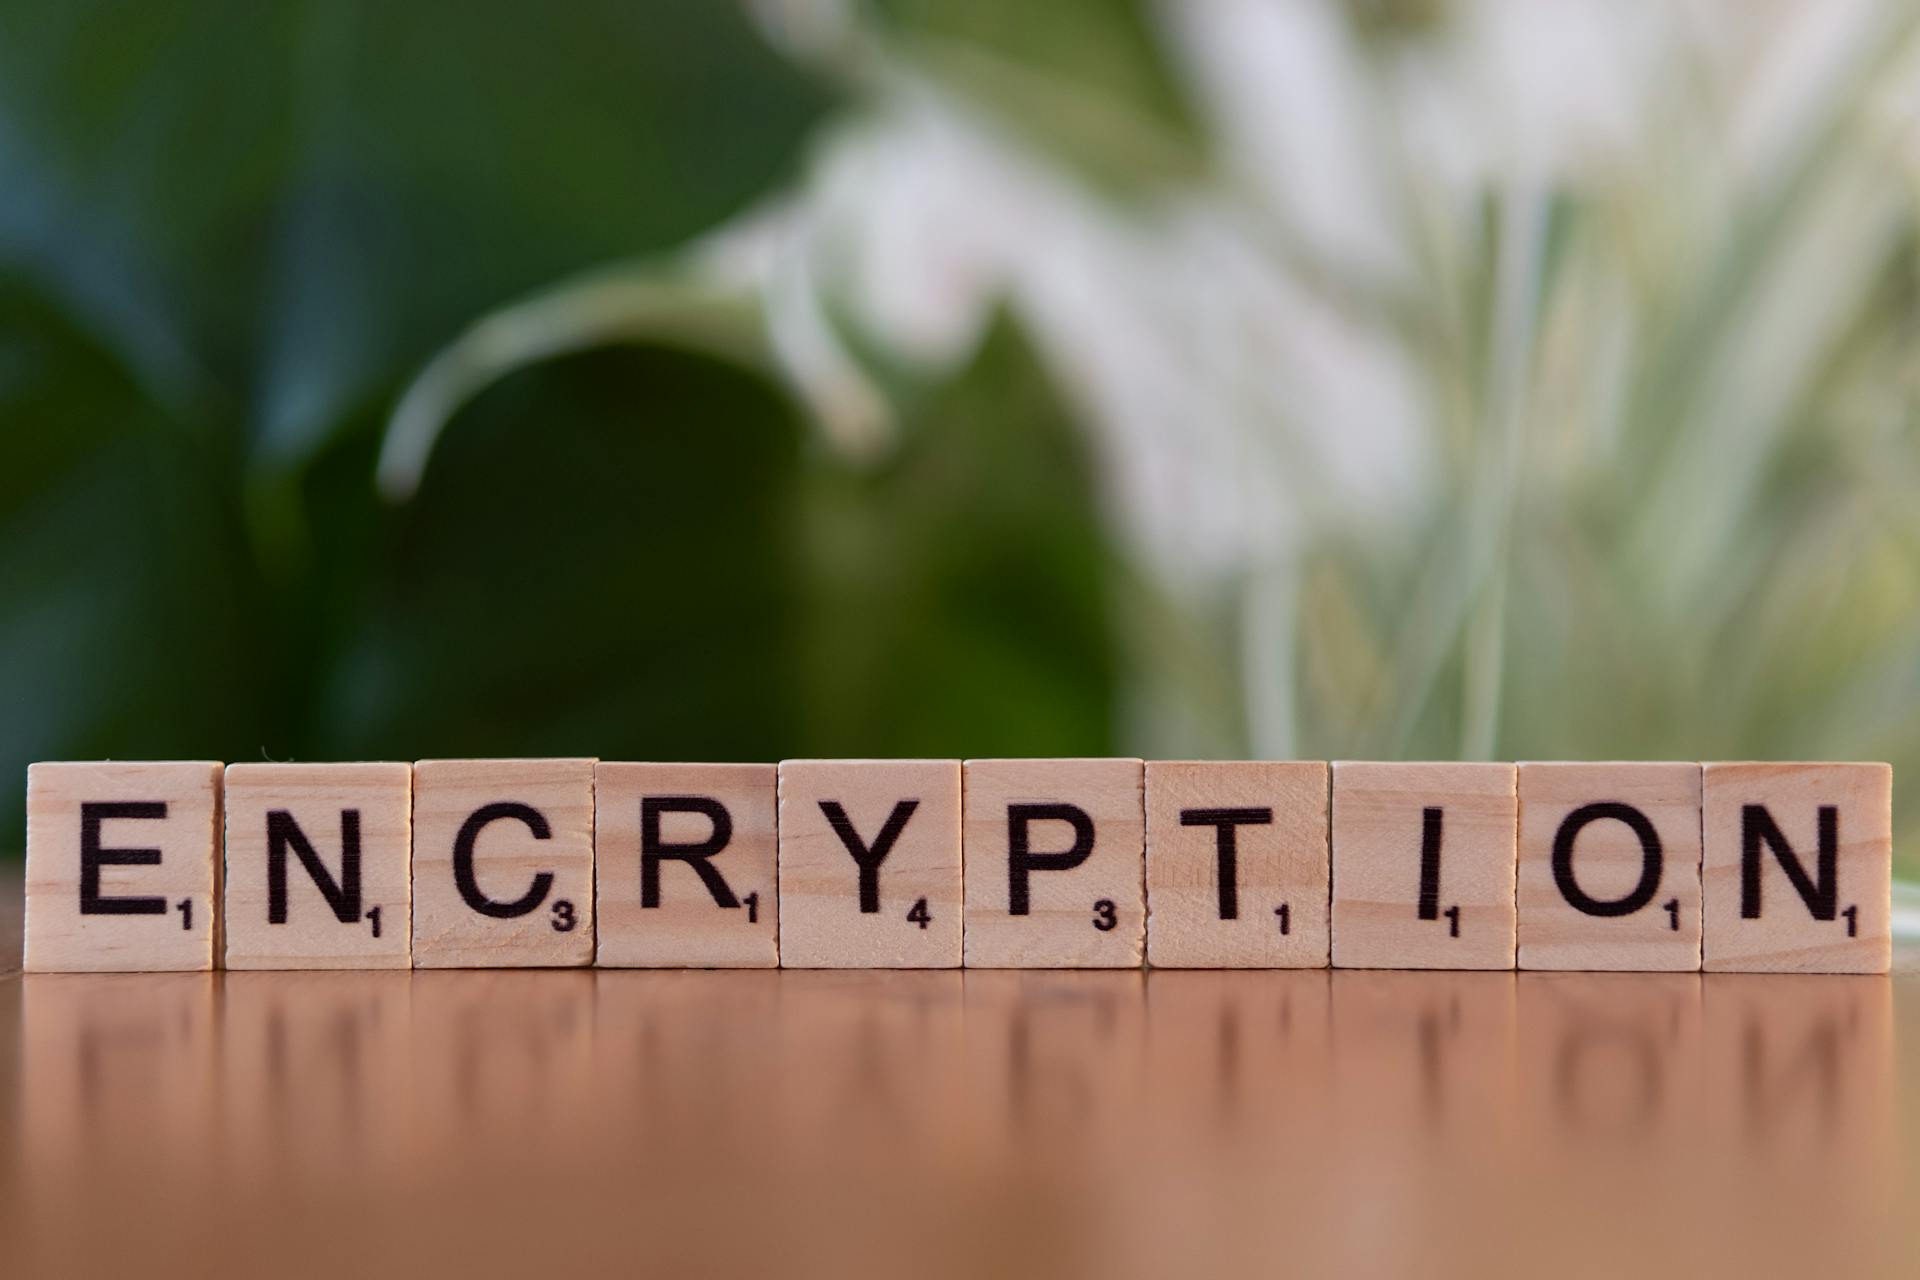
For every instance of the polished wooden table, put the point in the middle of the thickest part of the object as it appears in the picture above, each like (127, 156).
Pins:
(1112, 1124)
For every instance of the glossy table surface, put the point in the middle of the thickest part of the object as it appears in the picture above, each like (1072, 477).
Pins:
(1114, 1124)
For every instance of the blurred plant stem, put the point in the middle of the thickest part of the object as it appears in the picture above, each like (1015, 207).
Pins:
(631, 305)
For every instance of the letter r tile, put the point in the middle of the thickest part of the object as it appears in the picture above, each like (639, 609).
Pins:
(684, 866)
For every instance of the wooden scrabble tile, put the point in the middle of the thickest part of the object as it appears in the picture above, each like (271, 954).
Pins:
(1609, 872)
(1798, 867)
(318, 873)
(502, 863)
(684, 866)
(1055, 864)
(1423, 866)
(123, 866)
(870, 864)
(1237, 874)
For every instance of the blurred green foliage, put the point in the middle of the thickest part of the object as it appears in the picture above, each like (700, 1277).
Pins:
(229, 235)
(1462, 381)
(1088, 80)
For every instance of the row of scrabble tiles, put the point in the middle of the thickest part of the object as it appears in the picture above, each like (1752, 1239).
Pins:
(1085, 863)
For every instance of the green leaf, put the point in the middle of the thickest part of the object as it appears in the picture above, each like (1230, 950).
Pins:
(127, 624)
(230, 231)
(599, 560)
(628, 553)
(631, 304)
(275, 211)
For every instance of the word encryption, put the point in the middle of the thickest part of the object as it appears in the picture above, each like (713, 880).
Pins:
(909, 864)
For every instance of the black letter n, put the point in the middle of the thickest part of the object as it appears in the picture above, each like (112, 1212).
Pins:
(1821, 894)
(343, 895)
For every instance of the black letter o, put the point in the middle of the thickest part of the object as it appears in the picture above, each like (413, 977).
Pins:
(1650, 861)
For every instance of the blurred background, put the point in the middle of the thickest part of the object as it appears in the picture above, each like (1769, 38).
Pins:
(694, 380)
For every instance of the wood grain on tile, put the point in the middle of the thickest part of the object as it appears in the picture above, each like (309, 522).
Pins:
(870, 864)
(502, 863)
(684, 864)
(318, 872)
(1609, 872)
(123, 866)
(1798, 867)
(1237, 874)
(1055, 864)
(1423, 866)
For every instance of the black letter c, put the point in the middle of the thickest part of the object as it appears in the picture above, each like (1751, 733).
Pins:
(463, 860)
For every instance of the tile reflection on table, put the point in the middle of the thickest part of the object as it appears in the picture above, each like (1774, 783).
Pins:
(1123, 1123)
